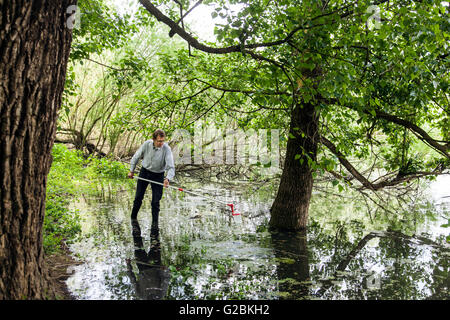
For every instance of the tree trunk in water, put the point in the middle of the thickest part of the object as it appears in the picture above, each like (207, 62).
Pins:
(34, 48)
(290, 208)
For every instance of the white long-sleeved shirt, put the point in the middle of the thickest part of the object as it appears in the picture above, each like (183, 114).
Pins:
(155, 159)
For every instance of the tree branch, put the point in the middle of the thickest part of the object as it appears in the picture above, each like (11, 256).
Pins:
(419, 132)
(189, 11)
(239, 90)
(236, 48)
(382, 184)
(415, 129)
(366, 183)
(175, 28)
(110, 67)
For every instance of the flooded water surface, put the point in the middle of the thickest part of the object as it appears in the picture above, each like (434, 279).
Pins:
(201, 251)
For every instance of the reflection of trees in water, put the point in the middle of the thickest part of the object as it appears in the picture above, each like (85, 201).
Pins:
(399, 267)
(403, 208)
(102, 205)
(441, 286)
(336, 266)
(291, 251)
(327, 264)
(410, 264)
(220, 270)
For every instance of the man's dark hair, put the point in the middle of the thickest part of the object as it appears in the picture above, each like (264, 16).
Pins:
(158, 133)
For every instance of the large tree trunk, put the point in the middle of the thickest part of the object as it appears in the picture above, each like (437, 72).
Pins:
(290, 208)
(34, 48)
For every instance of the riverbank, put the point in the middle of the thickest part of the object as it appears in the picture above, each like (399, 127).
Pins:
(71, 175)
(60, 269)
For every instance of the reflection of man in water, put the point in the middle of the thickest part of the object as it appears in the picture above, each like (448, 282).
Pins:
(153, 279)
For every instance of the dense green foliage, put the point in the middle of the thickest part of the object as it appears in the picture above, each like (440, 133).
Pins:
(362, 77)
(60, 222)
(376, 79)
(377, 76)
(118, 94)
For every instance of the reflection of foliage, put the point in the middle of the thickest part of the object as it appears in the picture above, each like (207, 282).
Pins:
(401, 209)
(404, 269)
(339, 260)
(344, 261)
(447, 225)
(203, 277)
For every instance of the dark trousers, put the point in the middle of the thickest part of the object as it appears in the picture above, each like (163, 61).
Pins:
(157, 192)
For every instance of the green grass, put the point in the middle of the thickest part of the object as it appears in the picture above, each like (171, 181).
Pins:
(71, 175)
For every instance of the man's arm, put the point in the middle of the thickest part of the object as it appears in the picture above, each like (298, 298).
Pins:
(138, 155)
(170, 166)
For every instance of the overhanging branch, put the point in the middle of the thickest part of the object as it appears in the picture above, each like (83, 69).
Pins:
(366, 183)
(175, 28)
(385, 182)
(244, 91)
(415, 129)
(418, 132)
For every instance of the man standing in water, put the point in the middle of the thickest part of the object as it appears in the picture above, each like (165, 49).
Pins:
(157, 157)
